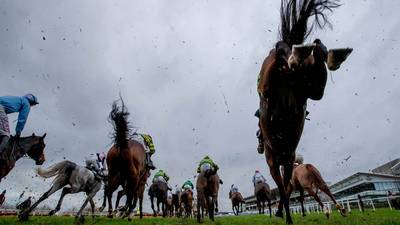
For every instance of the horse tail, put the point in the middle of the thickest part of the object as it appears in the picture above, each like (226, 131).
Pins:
(119, 119)
(294, 18)
(52, 170)
(318, 178)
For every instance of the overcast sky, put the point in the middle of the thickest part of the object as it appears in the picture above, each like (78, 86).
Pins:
(187, 71)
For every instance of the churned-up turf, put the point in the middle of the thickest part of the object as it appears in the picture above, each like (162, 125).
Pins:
(380, 217)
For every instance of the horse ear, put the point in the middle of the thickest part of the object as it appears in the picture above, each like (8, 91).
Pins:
(44, 135)
(33, 134)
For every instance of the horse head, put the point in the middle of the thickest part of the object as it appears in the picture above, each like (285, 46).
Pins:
(36, 149)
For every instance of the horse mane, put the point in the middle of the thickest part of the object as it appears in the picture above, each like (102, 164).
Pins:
(294, 18)
(119, 119)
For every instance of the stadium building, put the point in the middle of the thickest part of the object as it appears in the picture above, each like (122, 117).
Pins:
(381, 181)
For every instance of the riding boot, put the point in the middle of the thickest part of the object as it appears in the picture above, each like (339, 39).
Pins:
(149, 163)
(260, 147)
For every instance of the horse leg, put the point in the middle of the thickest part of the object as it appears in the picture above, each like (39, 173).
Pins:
(152, 206)
(141, 205)
(163, 208)
(79, 214)
(119, 196)
(301, 190)
(215, 198)
(200, 202)
(269, 206)
(111, 187)
(276, 175)
(211, 208)
(287, 175)
(103, 206)
(258, 205)
(312, 193)
(158, 206)
(57, 186)
(92, 206)
(326, 190)
(64, 192)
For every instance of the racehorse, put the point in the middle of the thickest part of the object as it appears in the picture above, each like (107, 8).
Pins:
(207, 187)
(159, 190)
(286, 80)
(307, 178)
(187, 202)
(263, 194)
(32, 146)
(78, 179)
(176, 204)
(125, 161)
(237, 201)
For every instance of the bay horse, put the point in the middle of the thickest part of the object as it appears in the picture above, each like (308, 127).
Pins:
(207, 187)
(286, 80)
(125, 161)
(159, 190)
(262, 192)
(307, 178)
(33, 146)
(237, 202)
(76, 178)
(187, 202)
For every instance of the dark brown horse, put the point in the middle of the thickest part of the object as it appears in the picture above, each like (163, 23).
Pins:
(263, 194)
(237, 202)
(159, 190)
(32, 146)
(287, 79)
(125, 161)
(307, 178)
(207, 187)
(187, 202)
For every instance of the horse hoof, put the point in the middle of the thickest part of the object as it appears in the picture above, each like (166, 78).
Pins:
(79, 220)
(23, 216)
(101, 209)
(327, 215)
(279, 214)
(110, 215)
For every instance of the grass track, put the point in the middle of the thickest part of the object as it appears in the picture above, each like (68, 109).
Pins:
(380, 217)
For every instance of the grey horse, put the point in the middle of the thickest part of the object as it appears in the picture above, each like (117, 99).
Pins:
(79, 179)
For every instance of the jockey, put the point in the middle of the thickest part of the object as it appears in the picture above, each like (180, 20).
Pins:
(97, 164)
(149, 149)
(207, 160)
(234, 188)
(12, 104)
(163, 177)
(188, 185)
(258, 178)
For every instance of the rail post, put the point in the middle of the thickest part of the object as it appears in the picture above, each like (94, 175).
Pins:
(373, 206)
(390, 205)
